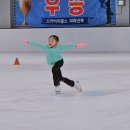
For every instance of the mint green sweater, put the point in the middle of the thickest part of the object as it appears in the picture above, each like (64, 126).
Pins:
(53, 54)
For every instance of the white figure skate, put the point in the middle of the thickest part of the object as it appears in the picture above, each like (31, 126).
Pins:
(77, 86)
(58, 89)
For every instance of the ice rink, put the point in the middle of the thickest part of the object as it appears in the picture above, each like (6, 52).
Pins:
(28, 100)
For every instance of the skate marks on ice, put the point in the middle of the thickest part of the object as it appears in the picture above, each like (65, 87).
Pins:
(100, 92)
(96, 91)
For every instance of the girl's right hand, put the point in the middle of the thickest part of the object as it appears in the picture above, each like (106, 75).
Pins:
(24, 40)
(81, 45)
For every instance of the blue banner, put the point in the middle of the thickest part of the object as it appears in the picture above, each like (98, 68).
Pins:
(63, 13)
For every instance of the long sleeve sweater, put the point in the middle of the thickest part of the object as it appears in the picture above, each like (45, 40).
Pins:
(53, 54)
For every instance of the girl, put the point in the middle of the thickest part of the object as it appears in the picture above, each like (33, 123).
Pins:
(53, 52)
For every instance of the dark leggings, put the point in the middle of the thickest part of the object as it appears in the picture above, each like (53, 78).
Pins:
(57, 75)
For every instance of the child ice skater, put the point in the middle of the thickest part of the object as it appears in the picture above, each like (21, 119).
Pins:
(53, 52)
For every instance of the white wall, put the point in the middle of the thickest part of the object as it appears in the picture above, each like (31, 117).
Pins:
(122, 14)
(111, 39)
(5, 14)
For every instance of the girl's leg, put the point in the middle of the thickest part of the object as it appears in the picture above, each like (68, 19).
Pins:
(57, 75)
(68, 81)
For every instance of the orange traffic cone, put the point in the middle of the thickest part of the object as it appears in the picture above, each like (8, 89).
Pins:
(16, 62)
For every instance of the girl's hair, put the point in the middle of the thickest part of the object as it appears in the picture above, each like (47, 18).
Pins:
(55, 37)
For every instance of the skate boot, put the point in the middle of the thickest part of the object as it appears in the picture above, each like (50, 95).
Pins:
(58, 89)
(77, 86)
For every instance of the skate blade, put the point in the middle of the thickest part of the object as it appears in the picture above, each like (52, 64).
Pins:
(58, 92)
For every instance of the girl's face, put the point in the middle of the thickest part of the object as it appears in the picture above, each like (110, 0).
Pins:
(52, 42)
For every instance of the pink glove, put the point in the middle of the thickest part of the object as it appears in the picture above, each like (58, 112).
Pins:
(81, 45)
(24, 40)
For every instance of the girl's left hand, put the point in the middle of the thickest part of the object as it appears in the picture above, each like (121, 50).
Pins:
(81, 45)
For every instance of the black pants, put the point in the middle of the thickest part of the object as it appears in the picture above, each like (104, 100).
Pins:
(57, 75)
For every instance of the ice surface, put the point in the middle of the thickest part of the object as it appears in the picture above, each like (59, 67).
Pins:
(28, 101)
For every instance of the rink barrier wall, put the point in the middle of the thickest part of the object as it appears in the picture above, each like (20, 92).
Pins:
(107, 39)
